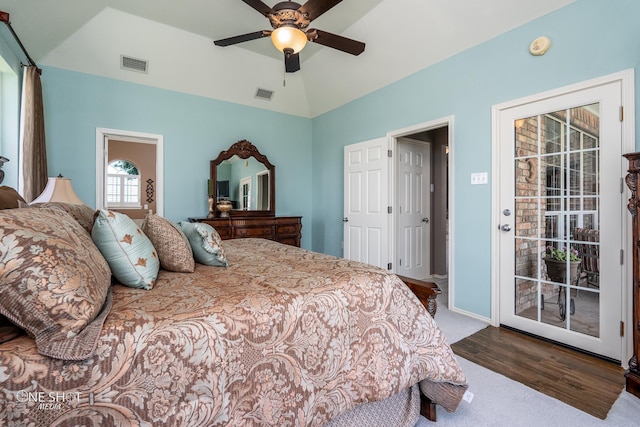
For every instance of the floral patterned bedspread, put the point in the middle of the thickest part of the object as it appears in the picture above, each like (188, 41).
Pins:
(281, 337)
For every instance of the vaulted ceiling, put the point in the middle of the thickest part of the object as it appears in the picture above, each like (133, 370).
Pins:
(176, 38)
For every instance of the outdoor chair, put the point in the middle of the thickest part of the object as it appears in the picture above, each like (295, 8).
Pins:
(588, 246)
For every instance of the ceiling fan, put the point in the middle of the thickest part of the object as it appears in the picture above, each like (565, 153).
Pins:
(290, 22)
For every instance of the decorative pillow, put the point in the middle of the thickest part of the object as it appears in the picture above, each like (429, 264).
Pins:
(206, 243)
(9, 198)
(53, 281)
(130, 254)
(81, 213)
(171, 244)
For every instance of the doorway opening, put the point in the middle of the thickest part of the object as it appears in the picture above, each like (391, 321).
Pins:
(371, 195)
(145, 151)
(422, 202)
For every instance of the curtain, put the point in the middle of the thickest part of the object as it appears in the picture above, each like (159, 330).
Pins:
(32, 140)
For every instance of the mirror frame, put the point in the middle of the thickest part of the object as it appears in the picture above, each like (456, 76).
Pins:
(245, 149)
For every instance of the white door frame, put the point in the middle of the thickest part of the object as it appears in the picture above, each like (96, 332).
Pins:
(628, 144)
(102, 134)
(394, 136)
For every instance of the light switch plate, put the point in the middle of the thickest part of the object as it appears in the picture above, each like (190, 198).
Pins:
(479, 178)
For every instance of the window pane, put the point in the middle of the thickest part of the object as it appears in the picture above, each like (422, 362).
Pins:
(123, 184)
(113, 189)
(552, 135)
(131, 190)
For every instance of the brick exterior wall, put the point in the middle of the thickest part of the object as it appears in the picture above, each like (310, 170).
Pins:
(530, 182)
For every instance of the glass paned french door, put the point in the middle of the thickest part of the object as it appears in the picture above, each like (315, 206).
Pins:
(560, 219)
(556, 173)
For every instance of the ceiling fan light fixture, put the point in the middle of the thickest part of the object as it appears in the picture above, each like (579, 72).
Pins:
(287, 37)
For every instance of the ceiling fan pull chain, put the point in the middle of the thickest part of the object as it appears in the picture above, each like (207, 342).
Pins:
(284, 78)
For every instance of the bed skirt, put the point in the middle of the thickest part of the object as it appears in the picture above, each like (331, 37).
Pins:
(402, 409)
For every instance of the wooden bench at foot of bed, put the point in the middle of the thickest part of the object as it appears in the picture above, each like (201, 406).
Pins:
(426, 293)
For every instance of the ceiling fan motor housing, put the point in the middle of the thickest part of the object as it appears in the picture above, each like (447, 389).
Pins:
(286, 14)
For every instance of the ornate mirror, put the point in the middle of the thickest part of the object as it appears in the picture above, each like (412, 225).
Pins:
(246, 178)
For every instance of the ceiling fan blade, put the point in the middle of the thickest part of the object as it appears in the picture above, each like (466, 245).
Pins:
(291, 62)
(335, 41)
(242, 38)
(259, 6)
(314, 8)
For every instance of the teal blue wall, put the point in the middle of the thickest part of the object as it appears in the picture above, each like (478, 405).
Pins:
(590, 38)
(195, 130)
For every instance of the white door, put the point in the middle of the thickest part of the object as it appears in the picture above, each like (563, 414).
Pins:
(413, 208)
(245, 193)
(560, 179)
(366, 189)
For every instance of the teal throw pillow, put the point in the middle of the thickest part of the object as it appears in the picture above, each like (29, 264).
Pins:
(205, 243)
(129, 252)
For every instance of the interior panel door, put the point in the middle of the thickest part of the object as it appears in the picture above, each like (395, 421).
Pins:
(413, 209)
(366, 189)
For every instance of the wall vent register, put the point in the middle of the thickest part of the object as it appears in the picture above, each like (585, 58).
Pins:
(134, 64)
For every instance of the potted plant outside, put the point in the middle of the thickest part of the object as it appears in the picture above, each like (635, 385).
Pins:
(556, 261)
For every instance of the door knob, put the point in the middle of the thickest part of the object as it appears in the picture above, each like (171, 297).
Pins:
(505, 227)
(425, 219)
(345, 219)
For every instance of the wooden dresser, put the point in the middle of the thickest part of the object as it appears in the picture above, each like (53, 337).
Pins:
(633, 180)
(283, 229)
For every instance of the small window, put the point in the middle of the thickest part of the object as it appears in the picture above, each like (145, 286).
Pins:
(123, 185)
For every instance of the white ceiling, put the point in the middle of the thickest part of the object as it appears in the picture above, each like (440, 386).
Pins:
(176, 37)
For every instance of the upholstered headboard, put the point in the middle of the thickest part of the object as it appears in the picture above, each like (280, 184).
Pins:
(9, 198)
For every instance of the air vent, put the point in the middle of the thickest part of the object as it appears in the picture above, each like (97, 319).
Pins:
(264, 94)
(134, 64)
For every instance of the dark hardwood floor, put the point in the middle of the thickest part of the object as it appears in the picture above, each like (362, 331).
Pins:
(583, 381)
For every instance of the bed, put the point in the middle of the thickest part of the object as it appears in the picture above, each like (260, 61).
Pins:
(280, 336)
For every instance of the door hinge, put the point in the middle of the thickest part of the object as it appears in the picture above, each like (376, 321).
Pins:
(621, 113)
(389, 209)
(389, 266)
(621, 256)
(389, 153)
(621, 185)
(621, 328)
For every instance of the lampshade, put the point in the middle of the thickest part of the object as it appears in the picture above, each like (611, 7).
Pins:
(288, 37)
(59, 189)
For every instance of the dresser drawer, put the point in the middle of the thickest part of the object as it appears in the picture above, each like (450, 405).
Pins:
(286, 229)
(264, 232)
(293, 240)
(283, 229)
